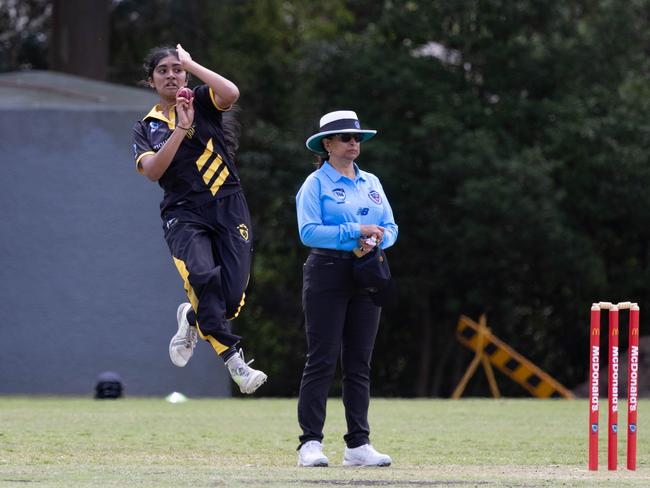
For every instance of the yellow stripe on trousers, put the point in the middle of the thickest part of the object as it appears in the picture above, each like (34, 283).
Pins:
(241, 304)
(182, 269)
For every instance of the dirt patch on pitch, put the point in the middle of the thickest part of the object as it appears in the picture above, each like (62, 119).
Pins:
(452, 476)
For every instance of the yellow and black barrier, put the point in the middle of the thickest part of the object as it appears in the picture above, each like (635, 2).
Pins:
(490, 350)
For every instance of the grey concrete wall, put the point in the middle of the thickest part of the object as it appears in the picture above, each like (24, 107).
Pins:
(86, 280)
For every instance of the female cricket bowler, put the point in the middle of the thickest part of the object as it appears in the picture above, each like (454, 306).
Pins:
(186, 145)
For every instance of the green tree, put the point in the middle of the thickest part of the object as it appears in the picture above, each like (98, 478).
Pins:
(504, 207)
(512, 145)
(24, 33)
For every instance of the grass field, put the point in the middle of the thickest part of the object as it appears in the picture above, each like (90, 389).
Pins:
(146, 442)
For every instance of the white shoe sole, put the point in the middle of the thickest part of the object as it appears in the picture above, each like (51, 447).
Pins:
(177, 359)
(252, 388)
(181, 310)
(382, 464)
(317, 464)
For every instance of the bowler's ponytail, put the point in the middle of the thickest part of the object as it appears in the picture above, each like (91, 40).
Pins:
(231, 131)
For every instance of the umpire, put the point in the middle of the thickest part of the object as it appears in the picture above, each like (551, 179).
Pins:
(340, 208)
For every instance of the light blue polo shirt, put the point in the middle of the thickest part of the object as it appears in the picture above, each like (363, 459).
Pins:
(331, 207)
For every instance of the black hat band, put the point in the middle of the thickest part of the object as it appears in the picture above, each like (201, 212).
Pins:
(342, 124)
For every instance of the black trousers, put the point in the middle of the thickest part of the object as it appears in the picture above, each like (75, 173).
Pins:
(340, 320)
(212, 249)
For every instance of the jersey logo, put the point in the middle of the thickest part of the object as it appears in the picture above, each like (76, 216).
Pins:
(375, 196)
(363, 211)
(190, 133)
(339, 193)
(160, 144)
(243, 231)
(154, 124)
(170, 223)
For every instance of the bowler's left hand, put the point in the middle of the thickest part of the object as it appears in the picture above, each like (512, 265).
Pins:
(183, 56)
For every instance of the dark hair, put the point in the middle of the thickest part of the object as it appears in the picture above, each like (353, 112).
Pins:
(153, 57)
(231, 131)
(323, 156)
(231, 126)
(320, 160)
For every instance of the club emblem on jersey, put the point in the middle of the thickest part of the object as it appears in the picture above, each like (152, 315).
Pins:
(190, 133)
(243, 231)
(154, 124)
(339, 193)
(375, 196)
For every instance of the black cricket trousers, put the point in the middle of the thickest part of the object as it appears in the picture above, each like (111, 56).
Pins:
(340, 320)
(212, 249)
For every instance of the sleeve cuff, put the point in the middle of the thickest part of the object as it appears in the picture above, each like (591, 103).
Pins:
(214, 102)
(356, 230)
(138, 164)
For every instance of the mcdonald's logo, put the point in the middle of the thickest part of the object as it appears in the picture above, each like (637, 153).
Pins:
(595, 331)
(635, 331)
(614, 331)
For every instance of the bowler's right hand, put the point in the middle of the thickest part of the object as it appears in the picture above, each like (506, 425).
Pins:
(185, 111)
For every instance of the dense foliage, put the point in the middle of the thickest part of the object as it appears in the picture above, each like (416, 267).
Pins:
(512, 144)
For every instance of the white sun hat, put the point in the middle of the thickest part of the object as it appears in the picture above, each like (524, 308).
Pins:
(338, 122)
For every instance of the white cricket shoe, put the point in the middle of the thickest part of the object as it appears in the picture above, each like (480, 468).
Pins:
(247, 378)
(311, 455)
(182, 345)
(365, 455)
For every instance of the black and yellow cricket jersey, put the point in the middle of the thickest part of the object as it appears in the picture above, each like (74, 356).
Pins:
(200, 170)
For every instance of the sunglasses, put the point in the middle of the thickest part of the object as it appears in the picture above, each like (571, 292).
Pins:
(349, 137)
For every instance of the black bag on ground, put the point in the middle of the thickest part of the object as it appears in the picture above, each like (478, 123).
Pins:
(109, 385)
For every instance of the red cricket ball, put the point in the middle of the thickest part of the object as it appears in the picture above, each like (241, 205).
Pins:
(185, 93)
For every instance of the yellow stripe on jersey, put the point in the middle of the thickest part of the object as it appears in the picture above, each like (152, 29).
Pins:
(212, 168)
(172, 120)
(205, 156)
(191, 294)
(220, 179)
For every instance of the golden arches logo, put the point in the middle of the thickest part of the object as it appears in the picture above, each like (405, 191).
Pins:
(635, 331)
(595, 332)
